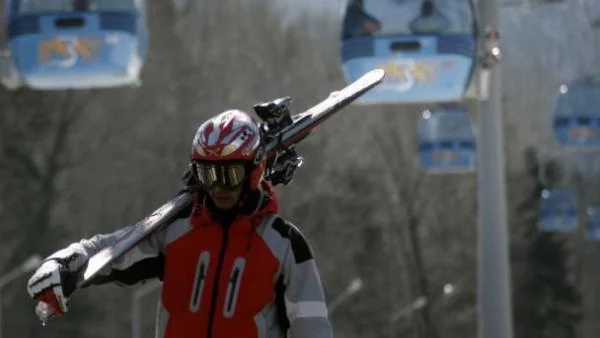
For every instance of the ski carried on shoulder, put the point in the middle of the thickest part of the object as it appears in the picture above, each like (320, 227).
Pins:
(282, 131)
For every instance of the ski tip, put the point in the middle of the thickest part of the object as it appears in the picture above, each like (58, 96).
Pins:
(367, 80)
(378, 74)
(372, 77)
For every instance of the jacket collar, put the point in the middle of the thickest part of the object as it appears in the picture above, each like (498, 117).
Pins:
(252, 209)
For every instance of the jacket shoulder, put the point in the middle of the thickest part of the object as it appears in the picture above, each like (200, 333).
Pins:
(290, 232)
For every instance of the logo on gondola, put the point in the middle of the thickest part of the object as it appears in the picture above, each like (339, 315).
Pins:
(402, 75)
(582, 133)
(445, 156)
(66, 51)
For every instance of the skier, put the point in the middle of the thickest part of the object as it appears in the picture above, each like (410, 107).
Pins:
(229, 264)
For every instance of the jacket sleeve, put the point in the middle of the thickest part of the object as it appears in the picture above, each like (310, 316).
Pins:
(304, 297)
(142, 262)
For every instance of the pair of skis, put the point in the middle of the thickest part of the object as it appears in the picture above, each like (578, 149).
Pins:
(287, 136)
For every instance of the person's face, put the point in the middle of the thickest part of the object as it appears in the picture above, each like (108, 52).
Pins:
(427, 9)
(225, 198)
(371, 26)
(224, 182)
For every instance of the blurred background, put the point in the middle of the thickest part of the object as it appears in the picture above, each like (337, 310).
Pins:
(99, 105)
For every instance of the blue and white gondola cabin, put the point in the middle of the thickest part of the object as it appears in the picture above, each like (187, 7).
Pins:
(74, 44)
(576, 122)
(446, 140)
(592, 229)
(558, 210)
(426, 47)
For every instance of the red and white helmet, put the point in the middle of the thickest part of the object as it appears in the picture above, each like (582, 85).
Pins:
(227, 150)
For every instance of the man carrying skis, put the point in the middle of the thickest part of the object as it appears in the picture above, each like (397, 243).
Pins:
(230, 266)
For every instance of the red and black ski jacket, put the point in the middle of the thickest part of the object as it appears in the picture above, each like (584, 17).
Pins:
(256, 278)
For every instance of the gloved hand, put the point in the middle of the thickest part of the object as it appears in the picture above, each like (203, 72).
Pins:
(190, 180)
(282, 168)
(56, 278)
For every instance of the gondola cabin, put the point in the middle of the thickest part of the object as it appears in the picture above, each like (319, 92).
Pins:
(592, 226)
(426, 47)
(74, 44)
(446, 140)
(592, 10)
(576, 121)
(558, 210)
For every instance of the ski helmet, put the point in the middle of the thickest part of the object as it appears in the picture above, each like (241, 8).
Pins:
(227, 150)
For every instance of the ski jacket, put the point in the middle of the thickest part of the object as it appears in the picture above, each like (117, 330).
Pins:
(256, 278)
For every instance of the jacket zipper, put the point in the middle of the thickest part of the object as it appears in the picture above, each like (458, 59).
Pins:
(215, 293)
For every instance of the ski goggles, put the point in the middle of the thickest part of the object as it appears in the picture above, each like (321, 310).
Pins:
(226, 175)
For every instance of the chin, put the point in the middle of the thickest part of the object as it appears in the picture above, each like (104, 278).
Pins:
(225, 206)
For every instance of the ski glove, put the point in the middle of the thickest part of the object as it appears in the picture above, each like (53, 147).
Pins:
(55, 280)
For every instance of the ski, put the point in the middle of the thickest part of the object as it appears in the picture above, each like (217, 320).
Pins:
(282, 137)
